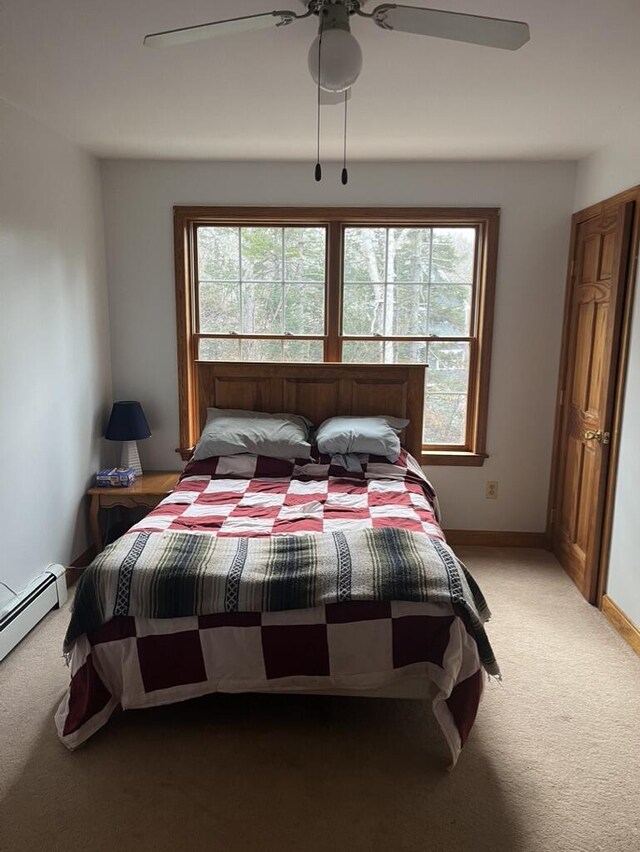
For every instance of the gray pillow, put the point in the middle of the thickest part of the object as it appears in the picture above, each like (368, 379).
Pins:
(229, 432)
(376, 436)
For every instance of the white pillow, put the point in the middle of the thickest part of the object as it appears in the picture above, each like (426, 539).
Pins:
(376, 436)
(230, 431)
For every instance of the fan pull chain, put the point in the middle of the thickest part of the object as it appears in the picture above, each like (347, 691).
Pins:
(345, 173)
(318, 172)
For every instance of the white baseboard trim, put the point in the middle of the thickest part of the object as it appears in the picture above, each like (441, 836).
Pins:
(24, 611)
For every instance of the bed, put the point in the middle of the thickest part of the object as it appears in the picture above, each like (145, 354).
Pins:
(320, 579)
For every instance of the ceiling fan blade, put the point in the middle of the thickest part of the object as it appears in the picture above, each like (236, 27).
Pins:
(185, 35)
(474, 29)
(332, 98)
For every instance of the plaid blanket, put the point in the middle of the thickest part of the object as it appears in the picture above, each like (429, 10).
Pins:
(176, 574)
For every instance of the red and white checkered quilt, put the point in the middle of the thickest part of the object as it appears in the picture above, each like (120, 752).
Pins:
(247, 495)
(133, 662)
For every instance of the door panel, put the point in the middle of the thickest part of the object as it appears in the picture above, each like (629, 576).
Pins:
(582, 364)
(573, 475)
(608, 255)
(584, 517)
(590, 261)
(596, 383)
(596, 294)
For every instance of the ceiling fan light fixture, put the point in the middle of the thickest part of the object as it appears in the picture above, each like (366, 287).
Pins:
(341, 60)
(335, 57)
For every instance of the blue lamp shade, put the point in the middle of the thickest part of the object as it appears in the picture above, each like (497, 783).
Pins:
(127, 422)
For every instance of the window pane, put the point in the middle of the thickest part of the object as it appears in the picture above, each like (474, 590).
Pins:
(361, 352)
(304, 254)
(396, 352)
(445, 418)
(262, 254)
(254, 298)
(303, 308)
(363, 309)
(229, 349)
(450, 310)
(385, 352)
(218, 254)
(409, 254)
(364, 254)
(303, 350)
(448, 370)
(406, 312)
(220, 350)
(261, 350)
(445, 413)
(452, 255)
(262, 309)
(219, 308)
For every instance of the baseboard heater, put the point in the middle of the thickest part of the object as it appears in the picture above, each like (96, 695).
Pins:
(24, 611)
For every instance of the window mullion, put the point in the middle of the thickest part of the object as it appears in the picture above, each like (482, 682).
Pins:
(333, 293)
(240, 285)
(429, 276)
(284, 316)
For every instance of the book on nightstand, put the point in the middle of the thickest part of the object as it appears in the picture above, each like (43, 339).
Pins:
(114, 477)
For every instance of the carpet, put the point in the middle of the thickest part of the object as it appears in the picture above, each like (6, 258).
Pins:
(553, 762)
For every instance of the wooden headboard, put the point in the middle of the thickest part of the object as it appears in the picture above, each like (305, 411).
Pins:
(316, 391)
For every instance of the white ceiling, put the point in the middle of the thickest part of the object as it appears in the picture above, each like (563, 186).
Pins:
(79, 66)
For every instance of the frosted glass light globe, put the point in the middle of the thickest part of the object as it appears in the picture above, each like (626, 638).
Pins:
(341, 61)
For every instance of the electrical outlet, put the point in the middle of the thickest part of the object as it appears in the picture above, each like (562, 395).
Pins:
(491, 491)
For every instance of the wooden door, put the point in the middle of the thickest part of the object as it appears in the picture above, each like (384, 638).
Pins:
(595, 299)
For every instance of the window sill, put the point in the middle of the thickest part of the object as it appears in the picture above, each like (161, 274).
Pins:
(439, 457)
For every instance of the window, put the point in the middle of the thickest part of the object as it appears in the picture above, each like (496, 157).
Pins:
(363, 285)
(260, 293)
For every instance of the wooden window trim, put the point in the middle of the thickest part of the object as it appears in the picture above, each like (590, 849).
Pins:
(335, 219)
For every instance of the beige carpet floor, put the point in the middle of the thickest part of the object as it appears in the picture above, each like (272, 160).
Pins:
(553, 762)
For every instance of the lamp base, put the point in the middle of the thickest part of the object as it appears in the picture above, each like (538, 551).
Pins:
(130, 457)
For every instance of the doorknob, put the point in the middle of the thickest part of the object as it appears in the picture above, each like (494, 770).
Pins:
(590, 435)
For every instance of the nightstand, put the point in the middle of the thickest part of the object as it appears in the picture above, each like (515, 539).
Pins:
(148, 490)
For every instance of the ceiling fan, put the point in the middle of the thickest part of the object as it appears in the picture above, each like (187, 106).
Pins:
(335, 56)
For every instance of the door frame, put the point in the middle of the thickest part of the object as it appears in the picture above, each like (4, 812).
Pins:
(619, 376)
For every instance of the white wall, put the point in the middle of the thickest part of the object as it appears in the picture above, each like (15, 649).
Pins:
(605, 173)
(536, 201)
(608, 171)
(624, 564)
(54, 350)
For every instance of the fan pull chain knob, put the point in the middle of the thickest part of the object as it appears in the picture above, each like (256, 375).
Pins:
(318, 172)
(345, 174)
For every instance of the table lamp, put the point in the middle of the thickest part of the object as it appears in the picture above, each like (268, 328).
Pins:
(128, 424)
